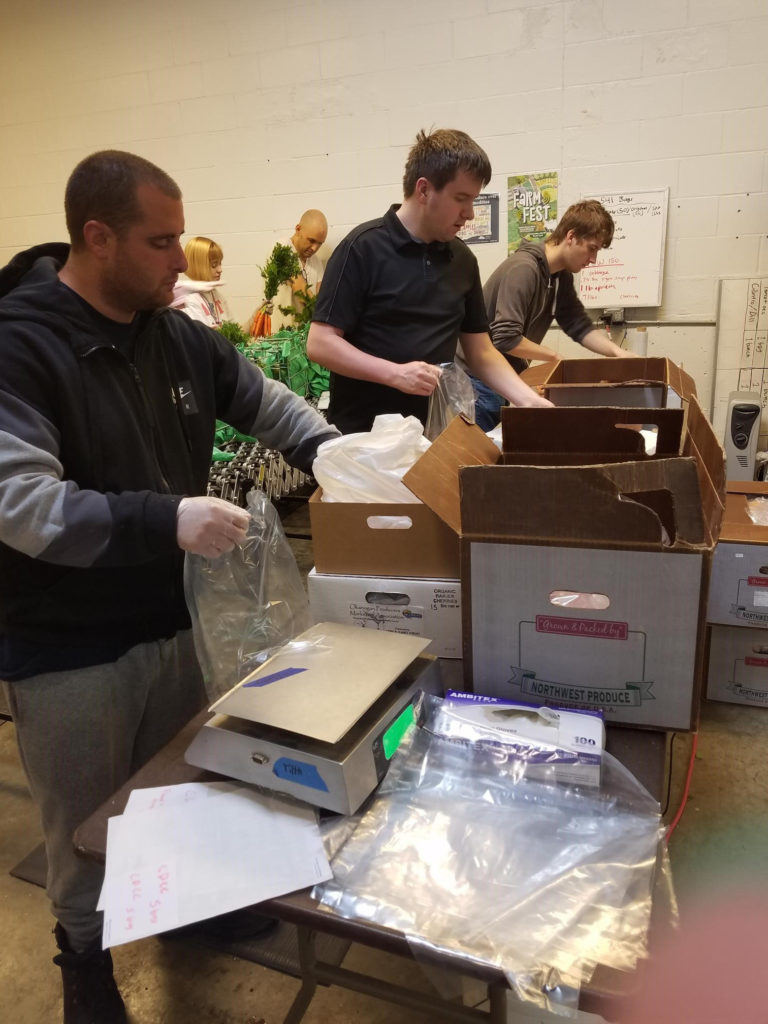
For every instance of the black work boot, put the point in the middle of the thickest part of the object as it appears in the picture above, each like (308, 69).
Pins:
(90, 993)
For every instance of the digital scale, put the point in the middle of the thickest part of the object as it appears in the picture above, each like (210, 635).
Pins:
(322, 718)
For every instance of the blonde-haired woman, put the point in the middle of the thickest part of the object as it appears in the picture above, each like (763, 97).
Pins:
(196, 293)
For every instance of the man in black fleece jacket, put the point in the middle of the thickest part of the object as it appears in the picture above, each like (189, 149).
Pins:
(108, 405)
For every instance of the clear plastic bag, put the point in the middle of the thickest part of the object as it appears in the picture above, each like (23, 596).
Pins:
(466, 854)
(245, 602)
(368, 467)
(757, 510)
(453, 396)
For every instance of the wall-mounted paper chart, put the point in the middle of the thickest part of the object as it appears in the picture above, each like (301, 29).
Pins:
(630, 273)
(741, 362)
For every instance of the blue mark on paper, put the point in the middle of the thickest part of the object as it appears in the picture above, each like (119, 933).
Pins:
(300, 772)
(274, 676)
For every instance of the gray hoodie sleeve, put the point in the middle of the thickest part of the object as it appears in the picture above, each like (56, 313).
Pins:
(286, 422)
(509, 303)
(270, 411)
(46, 516)
(569, 311)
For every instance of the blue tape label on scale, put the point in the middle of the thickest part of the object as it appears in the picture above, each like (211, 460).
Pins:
(274, 676)
(299, 772)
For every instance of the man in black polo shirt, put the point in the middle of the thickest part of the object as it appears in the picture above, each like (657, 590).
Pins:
(401, 291)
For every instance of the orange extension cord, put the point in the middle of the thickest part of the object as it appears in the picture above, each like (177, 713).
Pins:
(684, 800)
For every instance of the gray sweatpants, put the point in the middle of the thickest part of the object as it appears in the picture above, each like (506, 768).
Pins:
(81, 734)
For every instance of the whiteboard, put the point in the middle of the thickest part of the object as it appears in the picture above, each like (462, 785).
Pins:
(630, 272)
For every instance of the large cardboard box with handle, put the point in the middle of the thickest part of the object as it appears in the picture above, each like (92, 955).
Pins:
(375, 539)
(738, 665)
(430, 608)
(738, 592)
(584, 561)
(410, 540)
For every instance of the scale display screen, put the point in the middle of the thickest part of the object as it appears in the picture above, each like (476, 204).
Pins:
(391, 738)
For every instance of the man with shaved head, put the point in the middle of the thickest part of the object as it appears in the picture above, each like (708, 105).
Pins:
(309, 236)
(310, 233)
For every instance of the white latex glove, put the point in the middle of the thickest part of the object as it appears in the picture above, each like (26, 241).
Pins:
(210, 526)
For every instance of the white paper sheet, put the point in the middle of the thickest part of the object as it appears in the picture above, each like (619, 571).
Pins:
(181, 854)
(169, 796)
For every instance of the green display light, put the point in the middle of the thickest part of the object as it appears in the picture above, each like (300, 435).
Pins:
(394, 734)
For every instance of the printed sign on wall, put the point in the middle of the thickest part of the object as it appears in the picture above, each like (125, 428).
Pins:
(485, 226)
(531, 207)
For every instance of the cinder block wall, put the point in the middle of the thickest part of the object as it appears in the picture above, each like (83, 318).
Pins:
(261, 108)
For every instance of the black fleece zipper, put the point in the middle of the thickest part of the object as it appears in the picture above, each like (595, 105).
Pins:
(146, 408)
(152, 427)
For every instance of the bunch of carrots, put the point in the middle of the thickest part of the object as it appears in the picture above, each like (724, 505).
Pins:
(261, 324)
(282, 265)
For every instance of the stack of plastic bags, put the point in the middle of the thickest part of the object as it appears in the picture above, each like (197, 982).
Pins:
(467, 853)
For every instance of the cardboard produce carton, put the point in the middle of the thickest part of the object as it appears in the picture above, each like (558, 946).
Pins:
(738, 593)
(737, 672)
(584, 561)
(640, 383)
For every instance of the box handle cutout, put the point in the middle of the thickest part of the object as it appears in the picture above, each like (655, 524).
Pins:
(763, 570)
(389, 522)
(381, 597)
(578, 599)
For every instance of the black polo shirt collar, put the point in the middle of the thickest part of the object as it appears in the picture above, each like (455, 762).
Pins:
(403, 239)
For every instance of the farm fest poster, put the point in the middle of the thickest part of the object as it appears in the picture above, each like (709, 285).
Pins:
(531, 207)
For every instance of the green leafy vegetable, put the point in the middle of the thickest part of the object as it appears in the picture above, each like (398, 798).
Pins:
(282, 265)
(304, 315)
(234, 333)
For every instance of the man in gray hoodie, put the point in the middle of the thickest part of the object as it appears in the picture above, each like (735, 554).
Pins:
(534, 286)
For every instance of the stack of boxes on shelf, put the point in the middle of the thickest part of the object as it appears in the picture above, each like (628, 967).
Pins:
(580, 553)
(738, 600)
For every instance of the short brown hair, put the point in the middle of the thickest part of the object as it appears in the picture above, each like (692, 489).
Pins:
(103, 187)
(587, 219)
(440, 155)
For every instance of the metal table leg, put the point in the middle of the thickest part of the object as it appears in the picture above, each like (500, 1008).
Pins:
(307, 964)
(314, 971)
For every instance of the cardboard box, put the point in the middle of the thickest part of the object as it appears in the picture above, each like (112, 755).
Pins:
(603, 434)
(639, 383)
(427, 608)
(738, 593)
(738, 665)
(347, 539)
(629, 535)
